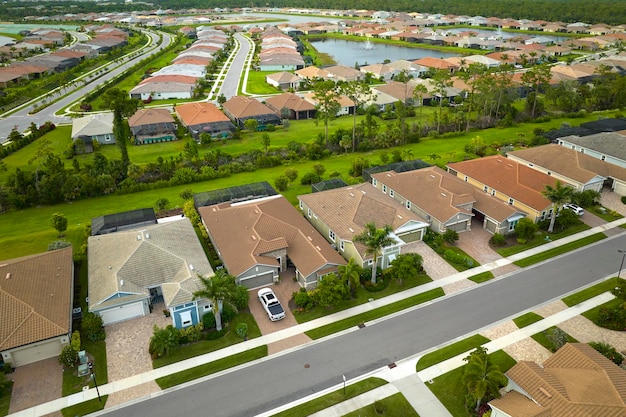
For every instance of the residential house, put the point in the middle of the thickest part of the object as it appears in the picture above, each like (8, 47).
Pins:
(110, 223)
(189, 70)
(36, 296)
(575, 381)
(346, 106)
(94, 127)
(259, 238)
(163, 87)
(289, 103)
(340, 214)
(344, 73)
(312, 73)
(380, 71)
(436, 64)
(152, 126)
(447, 202)
(408, 67)
(283, 80)
(518, 185)
(156, 266)
(202, 117)
(605, 146)
(241, 108)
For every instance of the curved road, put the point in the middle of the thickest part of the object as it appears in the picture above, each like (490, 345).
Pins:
(281, 379)
(21, 120)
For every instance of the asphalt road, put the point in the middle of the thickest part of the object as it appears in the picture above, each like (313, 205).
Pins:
(231, 80)
(271, 383)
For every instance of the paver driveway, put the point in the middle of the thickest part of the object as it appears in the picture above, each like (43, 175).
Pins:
(36, 383)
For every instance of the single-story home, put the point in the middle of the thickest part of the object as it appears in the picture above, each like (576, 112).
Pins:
(134, 270)
(163, 87)
(346, 106)
(259, 238)
(283, 80)
(36, 319)
(340, 214)
(606, 146)
(241, 108)
(202, 117)
(152, 126)
(98, 127)
(297, 107)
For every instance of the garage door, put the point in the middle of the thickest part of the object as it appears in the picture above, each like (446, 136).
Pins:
(35, 353)
(459, 227)
(121, 313)
(491, 226)
(259, 281)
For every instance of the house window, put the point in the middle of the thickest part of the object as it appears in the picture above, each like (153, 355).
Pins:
(385, 189)
(408, 205)
(300, 204)
(342, 245)
(374, 182)
(603, 158)
(331, 235)
(510, 201)
(391, 193)
(309, 213)
(465, 178)
(512, 225)
(543, 215)
(549, 173)
(485, 188)
(207, 307)
(370, 262)
(582, 150)
(493, 192)
(185, 318)
(573, 147)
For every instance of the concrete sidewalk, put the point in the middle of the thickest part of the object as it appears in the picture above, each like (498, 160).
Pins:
(139, 379)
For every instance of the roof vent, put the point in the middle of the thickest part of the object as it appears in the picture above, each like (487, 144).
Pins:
(191, 266)
(318, 248)
(147, 235)
(432, 176)
(138, 237)
(309, 237)
(7, 276)
(509, 165)
(351, 194)
(389, 175)
(399, 216)
(253, 237)
(351, 229)
(545, 392)
(121, 282)
(443, 195)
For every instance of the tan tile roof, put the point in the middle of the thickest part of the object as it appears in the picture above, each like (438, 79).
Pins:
(244, 232)
(290, 101)
(518, 405)
(347, 210)
(240, 107)
(342, 100)
(128, 262)
(30, 310)
(311, 72)
(570, 163)
(576, 381)
(179, 79)
(284, 77)
(191, 114)
(519, 182)
(150, 116)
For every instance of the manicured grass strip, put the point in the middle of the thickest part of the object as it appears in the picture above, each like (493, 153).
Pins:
(84, 408)
(374, 314)
(258, 85)
(394, 406)
(206, 346)
(551, 253)
(72, 383)
(604, 213)
(540, 239)
(527, 319)
(543, 340)
(5, 400)
(450, 351)
(449, 387)
(333, 398)
(212, 367)
(588, 293)
(594, 313)
(482, 277)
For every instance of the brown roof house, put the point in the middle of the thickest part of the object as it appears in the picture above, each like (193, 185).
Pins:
(203, 117)
(518, 185)
(289, 103)
(447, 202)
(36, 294)
(152, 126)
(606, 146)
(577, 381)
(240, 108)
(164, 87)
(133, 270)
(260, 238)
(283, 80)
(340, 214)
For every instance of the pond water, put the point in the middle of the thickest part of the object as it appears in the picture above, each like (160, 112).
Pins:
(499, 34)
(17, 27)
(350, 52)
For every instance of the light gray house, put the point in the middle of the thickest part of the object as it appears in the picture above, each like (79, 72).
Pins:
(94, 127)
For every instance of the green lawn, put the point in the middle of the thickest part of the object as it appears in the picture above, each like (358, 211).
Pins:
(540, 239)
(527, 319)
(604, 213)
(394, 406)
(84, 408)
(212, 367)
(551, 253)
(5, 400)
(450, 390)
(72, 383)
(441, 250)
(206, 346)
(594, 313)
(450, 351)
(362, 297)
(374, 314)
(333, 398)
(257, 84)
(482, 277)
(587, 293)
(543, 340)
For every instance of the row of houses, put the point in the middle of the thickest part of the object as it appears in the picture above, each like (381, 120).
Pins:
(278, 52)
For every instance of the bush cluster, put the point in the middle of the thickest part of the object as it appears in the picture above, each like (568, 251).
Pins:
(608, 351)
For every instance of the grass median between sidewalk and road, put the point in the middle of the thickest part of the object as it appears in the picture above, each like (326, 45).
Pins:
(559, 250)
(335, 397)
(527, 319)
(212, 367)
(540, 239)
(84, 408)
(590, 292)
(450, 351)
(376, 313)
(393, 406)
(482, 277)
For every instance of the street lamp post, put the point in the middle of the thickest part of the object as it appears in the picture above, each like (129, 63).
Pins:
(623, 252)
(93, 376)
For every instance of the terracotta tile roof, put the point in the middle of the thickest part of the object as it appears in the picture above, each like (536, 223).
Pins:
(244, 232)
(436, 63)
(290, 101)
(570, 163)
(342, 100)
(576, 381)
(150, 116)
(518, 405)
(178, 79)
(191, 114)
(30, 311)
(507, 177)
(240, 107)
(347, 210)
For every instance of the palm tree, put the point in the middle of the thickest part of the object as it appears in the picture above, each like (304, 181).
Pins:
(350, 273)
(558, 195)
(482, 378)
(375, 240)
(218, 289)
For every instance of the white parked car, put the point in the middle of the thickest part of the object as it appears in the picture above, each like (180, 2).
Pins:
(270, 303)
(576, 209)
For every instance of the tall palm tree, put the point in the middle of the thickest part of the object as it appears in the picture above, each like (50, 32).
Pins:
(349, 272)
(481, 377)
(375, 240)
(218, 289)
(558, 195)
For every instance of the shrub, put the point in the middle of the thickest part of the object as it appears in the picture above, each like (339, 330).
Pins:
(310, 178)
(93, 327)
(612, 318)
(208, 321)
(241, 297)
(521, 241)
(58, 244)
(458, 259)
(556, 337)
(380, 407)
(302, 299)
(214, 334)
(526, 229)
(228, 313)
(281, 182)
(242, 330)
(75, 342)
(380, 285)
(608, 351)
(623, 199)
(68, 357)
(191, 334)
(450, 236)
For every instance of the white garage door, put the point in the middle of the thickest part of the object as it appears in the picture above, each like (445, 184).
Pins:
(121, 313)
(35, 353)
